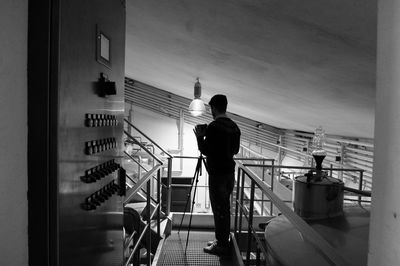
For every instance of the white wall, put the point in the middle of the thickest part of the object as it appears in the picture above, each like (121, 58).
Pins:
(384, 247)
(164, 131)
(13, 133)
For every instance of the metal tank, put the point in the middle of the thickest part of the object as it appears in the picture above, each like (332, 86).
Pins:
(318, 197)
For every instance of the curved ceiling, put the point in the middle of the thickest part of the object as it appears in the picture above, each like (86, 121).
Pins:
(290, 64)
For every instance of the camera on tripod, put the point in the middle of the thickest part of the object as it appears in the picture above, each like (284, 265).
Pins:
(201, 127)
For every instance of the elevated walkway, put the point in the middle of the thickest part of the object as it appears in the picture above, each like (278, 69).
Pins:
(173, 250)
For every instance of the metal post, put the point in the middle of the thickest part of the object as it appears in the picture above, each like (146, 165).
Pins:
(258, 256)
(272, 187)
(237, 199)
(158, 201)
(262, 194)
(279, 157)
(130, 119)
(241, 203)
(139, 167)
(342, 151)
(250, 223)
(360, 186)
(124, 237)
(180, 136)
(148, 246)
(169, 181)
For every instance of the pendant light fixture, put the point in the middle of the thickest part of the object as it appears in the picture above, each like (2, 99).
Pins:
(196, 107)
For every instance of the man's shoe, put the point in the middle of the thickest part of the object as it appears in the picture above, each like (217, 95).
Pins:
(209, 243)
(216, 249)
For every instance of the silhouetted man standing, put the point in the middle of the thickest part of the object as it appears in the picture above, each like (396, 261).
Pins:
(219, 141)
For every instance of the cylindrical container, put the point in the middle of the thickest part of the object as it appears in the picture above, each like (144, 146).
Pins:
(318, 199)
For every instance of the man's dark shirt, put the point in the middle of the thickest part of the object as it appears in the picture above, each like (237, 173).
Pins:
(221, 142)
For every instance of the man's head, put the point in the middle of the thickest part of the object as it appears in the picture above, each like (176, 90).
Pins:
(218, 104)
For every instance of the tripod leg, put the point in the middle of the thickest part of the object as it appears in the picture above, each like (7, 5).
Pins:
(196, 173)
(191, 210)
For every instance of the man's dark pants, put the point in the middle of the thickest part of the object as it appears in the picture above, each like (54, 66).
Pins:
(221, 187)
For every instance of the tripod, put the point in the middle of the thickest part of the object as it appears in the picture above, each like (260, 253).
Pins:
(195, 180)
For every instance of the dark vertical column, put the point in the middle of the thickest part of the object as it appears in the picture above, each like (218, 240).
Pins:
(42, 136)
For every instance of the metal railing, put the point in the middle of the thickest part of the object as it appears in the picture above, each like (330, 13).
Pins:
(330, 171)
(319, 243)
(157, 210)
(167, 156)
(190, 174)
(149, 185)
(260, 198)
(202, 192)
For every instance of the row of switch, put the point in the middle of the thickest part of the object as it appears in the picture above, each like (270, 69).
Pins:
(100, 120)
(100, 196)
(100, 171)
(96, 146)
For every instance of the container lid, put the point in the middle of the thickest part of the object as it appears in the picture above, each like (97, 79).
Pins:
(327, 180)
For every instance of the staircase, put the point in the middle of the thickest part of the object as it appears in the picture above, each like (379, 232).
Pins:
(145, 224)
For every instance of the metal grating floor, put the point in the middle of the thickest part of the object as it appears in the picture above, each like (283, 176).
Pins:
(174, 250)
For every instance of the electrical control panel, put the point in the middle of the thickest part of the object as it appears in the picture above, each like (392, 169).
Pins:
(91, 182)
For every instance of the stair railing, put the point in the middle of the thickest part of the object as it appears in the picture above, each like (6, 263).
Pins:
(168, 156)
(146, 180)
(145, 183)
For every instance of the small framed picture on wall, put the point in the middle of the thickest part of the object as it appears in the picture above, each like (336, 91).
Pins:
(103, 48)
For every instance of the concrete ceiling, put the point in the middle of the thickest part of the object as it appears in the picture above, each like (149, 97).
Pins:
(290, 64)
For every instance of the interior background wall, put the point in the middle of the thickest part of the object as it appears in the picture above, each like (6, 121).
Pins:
(164, 131)
(13, 133)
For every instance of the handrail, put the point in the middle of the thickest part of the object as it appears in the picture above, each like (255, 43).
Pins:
(127, 241)
(256, 153)
(262, 247)
(253, 159)
(235, 158)
(138, 163)
(141, 183)
(358, 191)
(313, 237)
(307, 167)
(281, 147)
(272, 161)
(152, 141)
(143, 147)
(185, 157)
(146, 228)
(146, 179)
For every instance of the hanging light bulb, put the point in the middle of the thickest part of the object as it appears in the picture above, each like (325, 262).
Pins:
(196, 107)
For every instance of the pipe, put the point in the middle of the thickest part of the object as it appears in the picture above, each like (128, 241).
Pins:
(357, 191)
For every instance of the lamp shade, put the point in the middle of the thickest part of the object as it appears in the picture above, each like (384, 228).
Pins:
(196, 107)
